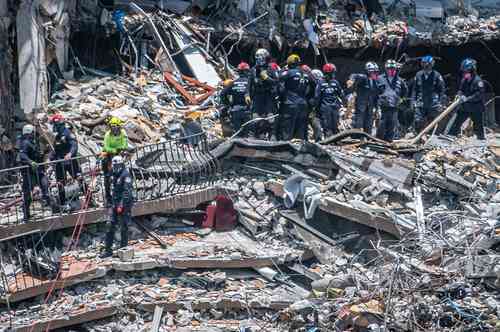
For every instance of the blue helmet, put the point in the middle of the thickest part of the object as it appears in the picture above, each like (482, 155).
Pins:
(468, 65)
(428, 59)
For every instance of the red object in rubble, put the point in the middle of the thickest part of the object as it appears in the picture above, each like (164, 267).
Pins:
(222, 216)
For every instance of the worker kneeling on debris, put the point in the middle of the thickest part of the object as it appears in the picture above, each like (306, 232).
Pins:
(123, 200)
(236, 96)
(115, 141)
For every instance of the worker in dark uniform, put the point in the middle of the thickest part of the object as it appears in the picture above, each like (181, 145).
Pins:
(236, 96)
(293, 88)
(367, 89)
(115, 142)
(394, 89)
(329, 98)
(428, 92)
(263, 91)
(316, 79)
(65, 148)
(123, 201)
(471, 94)
(33, 174)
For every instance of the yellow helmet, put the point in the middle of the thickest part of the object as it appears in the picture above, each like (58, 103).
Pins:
(115, 122)
(293, 59)
(227, 83)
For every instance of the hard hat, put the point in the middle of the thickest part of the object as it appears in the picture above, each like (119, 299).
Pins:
(117, 160)
(261, 56)
(306, 69)
(56, 118)
(274, 66)
(227, 83)
(28, 129)
(329, 68)
(391, 64)
(115, 122)
(317, 74)
(428, 59)
(371, 67)
(243, 66)
(293, 59)
(468, 65)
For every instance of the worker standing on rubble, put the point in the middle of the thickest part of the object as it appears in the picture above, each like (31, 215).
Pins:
(263, 91)
(236, 96)
(34, 174)
(65, 148)
(123, 201)
(316, 78)
(115, 142)
(393, 90)
(428, 93)
(329, 98)
(293, 88)
(471, 93)
(367, 89)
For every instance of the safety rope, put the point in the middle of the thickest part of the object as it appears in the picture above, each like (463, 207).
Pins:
(75, 237)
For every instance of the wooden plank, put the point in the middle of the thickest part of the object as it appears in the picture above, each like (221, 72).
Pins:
(221, 263)
(157, 318)
(44, 287)
(70, 320)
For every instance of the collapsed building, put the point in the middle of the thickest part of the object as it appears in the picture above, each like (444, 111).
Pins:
(350, 233)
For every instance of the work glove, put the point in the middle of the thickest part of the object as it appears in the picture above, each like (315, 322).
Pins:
(248, 100)
(103, 155)
(67, 157)
(463, 99)
(119, 209)
(349, 83)
(263, 75)
(34, 165)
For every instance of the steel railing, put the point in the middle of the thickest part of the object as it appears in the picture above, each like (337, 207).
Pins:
(158, 170)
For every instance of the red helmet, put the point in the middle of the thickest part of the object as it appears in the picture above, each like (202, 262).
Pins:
(329, 68)
(274, 66)
(306, 69)
(243, 66)
(56, 118)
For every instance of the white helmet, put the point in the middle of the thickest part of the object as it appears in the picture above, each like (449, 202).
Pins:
(371, 67)
(317, 74)
(117, 164)
(261, 56)
(28, 129)
(117, 160)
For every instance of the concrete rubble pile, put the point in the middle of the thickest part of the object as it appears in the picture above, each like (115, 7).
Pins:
(344, 25)
(146, 105)
(351, 234)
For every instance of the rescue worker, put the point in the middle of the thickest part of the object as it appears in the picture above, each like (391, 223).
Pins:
(263, 91)
(293, 88)
(428, 92)
(314, 118)
(237, 98)
(329, 98)
(115, 142)
(34, 173)
(367, 89)
(123, 201)
(471, 92)
(65, 148)
(393, 90)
